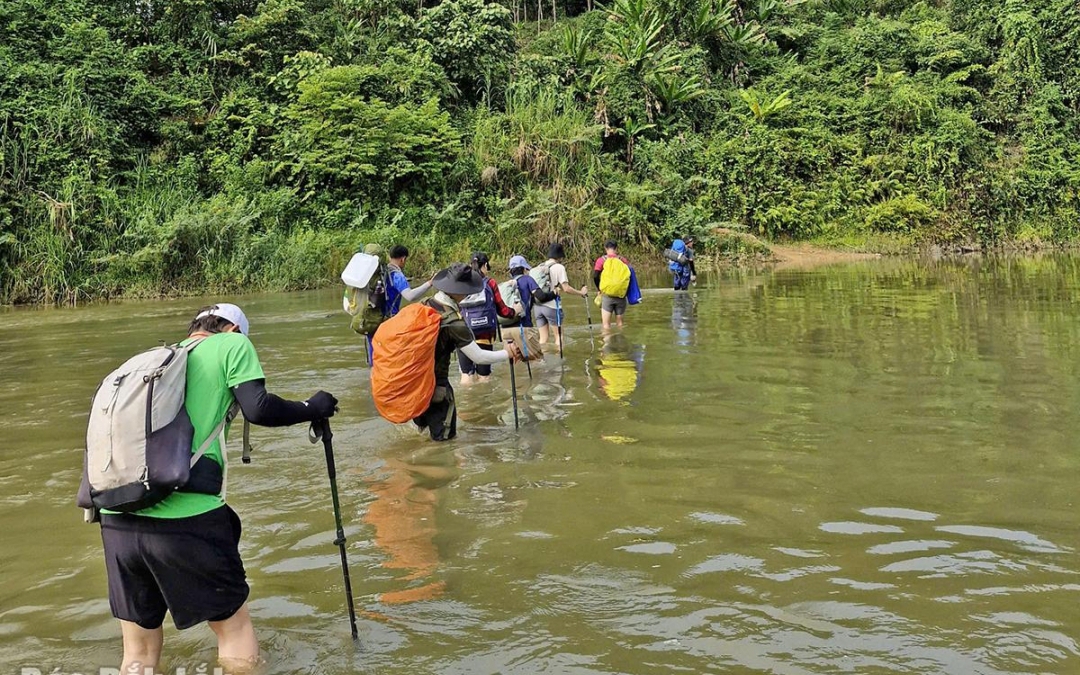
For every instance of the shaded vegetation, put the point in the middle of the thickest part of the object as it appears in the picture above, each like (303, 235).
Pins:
(152, 147)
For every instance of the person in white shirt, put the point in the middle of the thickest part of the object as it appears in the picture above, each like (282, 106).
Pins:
(546, 314)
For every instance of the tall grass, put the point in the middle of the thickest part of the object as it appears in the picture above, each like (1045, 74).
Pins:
(542, 158)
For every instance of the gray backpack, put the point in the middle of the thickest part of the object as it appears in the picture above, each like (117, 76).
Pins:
(542, 275)
(138, 440)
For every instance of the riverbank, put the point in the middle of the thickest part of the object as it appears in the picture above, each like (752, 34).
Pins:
(315, 262)
(718, 250)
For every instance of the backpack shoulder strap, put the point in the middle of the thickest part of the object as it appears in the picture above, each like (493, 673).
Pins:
(218, 432)
(446, 314)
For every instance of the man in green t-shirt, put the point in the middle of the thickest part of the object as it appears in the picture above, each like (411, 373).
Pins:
(181, 555)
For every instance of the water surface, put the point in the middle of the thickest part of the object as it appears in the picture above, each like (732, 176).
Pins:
(867, 468)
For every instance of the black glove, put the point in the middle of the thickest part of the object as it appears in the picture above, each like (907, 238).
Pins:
(322, 405)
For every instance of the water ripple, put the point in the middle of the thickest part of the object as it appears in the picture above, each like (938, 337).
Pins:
(1026, 540)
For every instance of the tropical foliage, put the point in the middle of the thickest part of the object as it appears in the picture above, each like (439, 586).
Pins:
(151, 147)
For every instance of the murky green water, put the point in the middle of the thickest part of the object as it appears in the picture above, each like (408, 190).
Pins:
(858, 469)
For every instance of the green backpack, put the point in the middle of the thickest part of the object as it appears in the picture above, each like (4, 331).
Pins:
(542, 275)
(367, 305)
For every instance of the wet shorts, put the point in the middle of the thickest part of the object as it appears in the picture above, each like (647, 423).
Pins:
(616, 306)
(546, 316)
(188, 566)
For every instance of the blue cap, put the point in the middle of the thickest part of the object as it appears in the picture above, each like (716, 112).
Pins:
(519, 261)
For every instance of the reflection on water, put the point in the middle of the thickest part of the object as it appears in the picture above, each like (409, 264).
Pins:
(619, 367)
(857, 469)
(403, 520)
(683, 317)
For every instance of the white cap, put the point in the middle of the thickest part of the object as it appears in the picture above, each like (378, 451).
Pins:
(230, 313)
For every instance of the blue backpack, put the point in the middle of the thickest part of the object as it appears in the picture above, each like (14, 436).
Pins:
(479, 312)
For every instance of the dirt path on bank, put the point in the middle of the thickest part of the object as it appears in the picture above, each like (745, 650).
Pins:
(806, 256)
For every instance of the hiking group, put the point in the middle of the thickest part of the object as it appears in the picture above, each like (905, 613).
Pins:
(155, 470)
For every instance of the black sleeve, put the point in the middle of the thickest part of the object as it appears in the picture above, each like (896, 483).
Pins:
(596, 279)
(692, 270)
(265, 409)
(540, 296)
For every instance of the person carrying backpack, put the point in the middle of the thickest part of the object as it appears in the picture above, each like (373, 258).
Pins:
(522, 292)
(482, 312)
(410, 376)
(174, 548)
(398, 287)
(611, 274)
(553, 281)
(681, 265)
(375, 288)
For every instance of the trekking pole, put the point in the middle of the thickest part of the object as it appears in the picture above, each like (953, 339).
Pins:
(321, 429)
(558, 321)
(513, 394)
(588, 313)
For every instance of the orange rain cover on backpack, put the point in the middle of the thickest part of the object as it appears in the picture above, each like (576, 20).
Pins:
(403, 363)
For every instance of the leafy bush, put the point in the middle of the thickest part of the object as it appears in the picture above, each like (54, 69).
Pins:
(899, 214)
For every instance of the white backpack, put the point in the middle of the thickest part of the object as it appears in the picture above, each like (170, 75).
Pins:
(139, 437)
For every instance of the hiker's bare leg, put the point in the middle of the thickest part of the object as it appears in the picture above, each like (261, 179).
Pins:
(543, 334)
(237, 646)
(605, 317)
(618, 320)
(142, 647)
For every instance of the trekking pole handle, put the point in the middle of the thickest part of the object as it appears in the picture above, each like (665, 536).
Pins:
(320, 430)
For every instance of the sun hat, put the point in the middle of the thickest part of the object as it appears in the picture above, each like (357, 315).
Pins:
(230, 313)
(459, 279)
(519, 261)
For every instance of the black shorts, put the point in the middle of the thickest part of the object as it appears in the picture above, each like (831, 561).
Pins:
(188, 566)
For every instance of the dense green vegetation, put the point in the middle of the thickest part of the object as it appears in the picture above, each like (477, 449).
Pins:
(156, 147)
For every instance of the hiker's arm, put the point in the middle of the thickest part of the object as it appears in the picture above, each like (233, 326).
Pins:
(596, 278)
(567, 288)
(483, 357)
(539, 295)
(414, 294)
(265, 409)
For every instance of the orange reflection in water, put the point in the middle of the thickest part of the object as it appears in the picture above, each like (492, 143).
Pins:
(403, 516)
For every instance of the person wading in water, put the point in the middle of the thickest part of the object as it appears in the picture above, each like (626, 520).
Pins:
(454, 284)
(181, 554)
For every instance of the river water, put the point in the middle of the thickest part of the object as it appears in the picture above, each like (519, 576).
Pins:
(863, 468)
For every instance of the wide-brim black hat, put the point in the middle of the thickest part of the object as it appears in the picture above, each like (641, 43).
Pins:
(459, 279)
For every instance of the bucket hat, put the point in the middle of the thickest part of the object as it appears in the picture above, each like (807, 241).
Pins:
(459, 279)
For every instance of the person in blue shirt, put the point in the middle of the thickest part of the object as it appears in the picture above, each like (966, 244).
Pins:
(398, 286)
(528, 290)
(683, 272)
